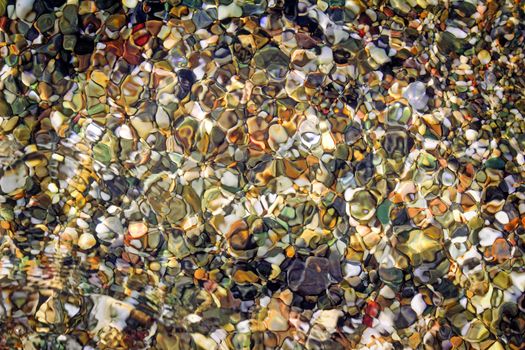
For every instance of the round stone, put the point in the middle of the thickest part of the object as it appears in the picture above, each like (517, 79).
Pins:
(86, 241)
(484, 57)
(502, 217)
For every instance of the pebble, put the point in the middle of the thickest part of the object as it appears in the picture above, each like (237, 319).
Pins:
(24, 10)
(458, 33)
(86, 241)
(415, 94)
(379, 55)
(131, 4)
(487, 236)
(484, 57)
(13, 179)
(418, 304)
(227, 11)
(137, 229)
(471, 135)
(502, 217)
(405, 317)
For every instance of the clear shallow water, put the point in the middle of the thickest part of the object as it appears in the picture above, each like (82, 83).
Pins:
(262, 174)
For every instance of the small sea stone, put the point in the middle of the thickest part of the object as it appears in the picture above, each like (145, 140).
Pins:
(45, 22)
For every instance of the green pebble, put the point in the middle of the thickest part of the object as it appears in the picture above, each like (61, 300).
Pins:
(22, 134)
(383, 211)
(495, 163)
(3, 7)
(45, 22)
(69, 42)
(19, 105)
(100, 108)
(391, 275)
(102, 153)
(288, 213)
(192, 3)
(11, 60)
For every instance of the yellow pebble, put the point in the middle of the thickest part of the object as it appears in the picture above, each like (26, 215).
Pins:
(86, 241)
(484, 57)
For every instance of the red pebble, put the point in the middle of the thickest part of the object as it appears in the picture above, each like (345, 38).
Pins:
(372, 309)
(132, 54)
(368, 321)
(142, 40)
(3, 23)
(138, 27)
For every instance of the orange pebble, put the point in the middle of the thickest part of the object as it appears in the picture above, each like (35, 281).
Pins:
(290, 252)
(199, 274)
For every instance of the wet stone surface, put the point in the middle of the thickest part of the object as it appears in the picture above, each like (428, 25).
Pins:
(196, 174)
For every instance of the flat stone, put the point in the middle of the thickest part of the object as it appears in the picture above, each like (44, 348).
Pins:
(487, 236)
(415, 93)
(313, 276)
(405, 317)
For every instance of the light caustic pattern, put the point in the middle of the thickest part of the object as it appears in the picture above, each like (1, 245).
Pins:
(262, 174)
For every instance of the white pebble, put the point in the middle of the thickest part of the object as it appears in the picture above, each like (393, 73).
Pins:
(232, 10)
(418, 304)
(243, 326)
(24, 8)
(502, 217)
(229, 179)
(13, 179)
(379, 55)
(458, 33)
(415, 93)
(52, 187)
(82, 224)
(352, 270)
(487, 236)
(131, 4)
(193, 318)
(518, 279)
(471, 135)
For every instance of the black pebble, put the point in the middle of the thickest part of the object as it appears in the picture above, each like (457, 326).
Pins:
(186, 81)
(84, 46)
(104, 4)
(55, 3)
(32, 34)
(290, 8)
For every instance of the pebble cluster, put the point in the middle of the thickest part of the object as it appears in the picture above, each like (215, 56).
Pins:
(262, 174)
